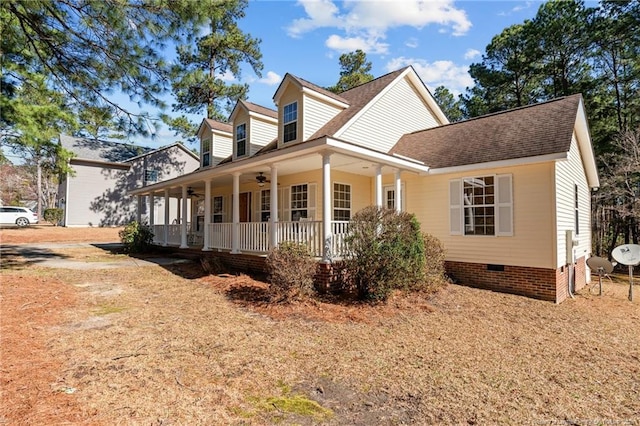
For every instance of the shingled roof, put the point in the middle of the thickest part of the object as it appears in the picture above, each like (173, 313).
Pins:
(357, 98)
(529, 131)
(98, 150)
(260, 109)
(216, 125)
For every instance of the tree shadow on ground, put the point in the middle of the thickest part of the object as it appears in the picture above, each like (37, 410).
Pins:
(16, 256)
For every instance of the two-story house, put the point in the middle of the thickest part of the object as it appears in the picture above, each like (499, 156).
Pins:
(508, 193)
(96, 191)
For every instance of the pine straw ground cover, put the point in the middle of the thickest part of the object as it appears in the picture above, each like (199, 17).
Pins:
(153, 345)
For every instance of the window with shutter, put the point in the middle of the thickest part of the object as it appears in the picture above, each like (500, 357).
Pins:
(481, 205)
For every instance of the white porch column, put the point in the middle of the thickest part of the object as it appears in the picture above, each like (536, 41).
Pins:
(379, 186)
(183, 222)
(326, 207)
(139, 208)
(207, 214)
(179, 209)
(398, 192)
(165, 241)
(273, 214)
(152, 210)
(236, 213)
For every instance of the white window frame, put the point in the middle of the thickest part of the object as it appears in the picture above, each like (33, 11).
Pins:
(347, 201)
(502, 205)
(287, 119)
(206, 154)
(304, 202)
(265, 205)
(150, 175)
(217, 211)
(392, 188)
(243, 141)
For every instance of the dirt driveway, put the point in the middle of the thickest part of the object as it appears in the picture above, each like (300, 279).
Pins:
(169, 344)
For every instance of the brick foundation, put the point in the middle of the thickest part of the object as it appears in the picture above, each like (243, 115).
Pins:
(537, 283)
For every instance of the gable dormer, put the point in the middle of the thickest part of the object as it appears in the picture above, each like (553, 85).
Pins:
(216, 140)
(254, 126)
(303, 108)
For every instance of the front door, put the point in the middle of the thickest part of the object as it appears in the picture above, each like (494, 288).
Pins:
(245, 206)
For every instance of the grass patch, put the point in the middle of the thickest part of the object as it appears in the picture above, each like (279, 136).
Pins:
(106, 310)
(290, 403)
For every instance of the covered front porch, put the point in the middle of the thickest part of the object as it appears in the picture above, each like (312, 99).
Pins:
(304, 194)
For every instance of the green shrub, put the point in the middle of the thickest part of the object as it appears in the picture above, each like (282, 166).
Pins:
(137, 238)
(291, 269)
(53, 216)
(434, 264)
(385, 252)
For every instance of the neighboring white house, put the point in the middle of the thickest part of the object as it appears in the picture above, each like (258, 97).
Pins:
(508, 193)
(96, 193)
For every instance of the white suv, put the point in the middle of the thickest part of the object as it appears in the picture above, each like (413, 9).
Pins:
(20, 216)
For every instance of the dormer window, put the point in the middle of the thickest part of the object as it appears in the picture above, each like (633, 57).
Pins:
(241, 140)
(290, 120)
(206, 152)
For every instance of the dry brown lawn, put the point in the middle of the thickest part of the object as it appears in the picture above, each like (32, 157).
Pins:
(170, 345)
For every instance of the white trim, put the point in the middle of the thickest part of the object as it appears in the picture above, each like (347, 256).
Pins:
(315, 94)
(289, 152)
(178, 144)
(501, 163)
(235, 140)
(404, 157)
(333, 199)
(581, 129)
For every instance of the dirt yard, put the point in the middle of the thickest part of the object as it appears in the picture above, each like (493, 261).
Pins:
(171, 345)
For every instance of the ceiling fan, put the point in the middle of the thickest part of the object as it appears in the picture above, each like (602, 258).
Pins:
(192, 193)
(261, 179)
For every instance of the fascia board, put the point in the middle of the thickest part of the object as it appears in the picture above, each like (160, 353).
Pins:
(502, 163)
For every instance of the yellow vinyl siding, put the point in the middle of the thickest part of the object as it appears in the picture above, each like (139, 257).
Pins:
(567, 174)
(427, 197)
(400, 110)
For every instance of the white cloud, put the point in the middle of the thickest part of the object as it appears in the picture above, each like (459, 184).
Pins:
(271, 79)
(349, 44)
(439, 73)
(472, 53)
(521, 6)
(227, 76)
(412, 43)
(370, 20)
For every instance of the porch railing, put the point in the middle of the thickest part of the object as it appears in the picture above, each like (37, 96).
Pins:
(220, 236)
(303, 232)
(255, 236)
(173, 234)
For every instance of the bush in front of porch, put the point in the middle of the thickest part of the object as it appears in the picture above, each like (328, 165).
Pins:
(385, 252)
(136, 237)
(291, 270)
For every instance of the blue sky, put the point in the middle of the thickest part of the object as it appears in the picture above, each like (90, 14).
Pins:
(439, 38)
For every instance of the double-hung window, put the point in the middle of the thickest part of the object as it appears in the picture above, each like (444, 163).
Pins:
(265, 205)
(290, 120)
(341, 201)
(241, 140)
(150, 175)
(299, 202)
(481, 205)
(206, 152)
(218, 209)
